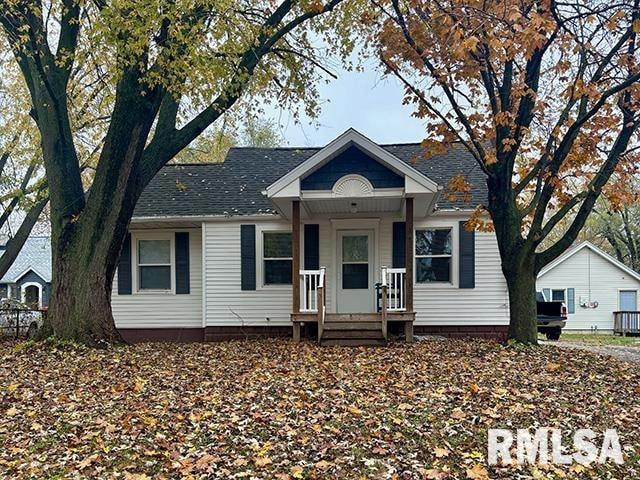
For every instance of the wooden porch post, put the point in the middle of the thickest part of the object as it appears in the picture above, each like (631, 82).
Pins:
(295, 238)
(408, 265)
(408, 252)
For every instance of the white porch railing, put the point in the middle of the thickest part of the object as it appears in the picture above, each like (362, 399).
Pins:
(310, 280)
(394, 280)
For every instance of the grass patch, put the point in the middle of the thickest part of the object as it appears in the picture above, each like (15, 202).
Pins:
(598, 339)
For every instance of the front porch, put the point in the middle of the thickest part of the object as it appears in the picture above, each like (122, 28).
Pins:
(366, 310)
(353, 187)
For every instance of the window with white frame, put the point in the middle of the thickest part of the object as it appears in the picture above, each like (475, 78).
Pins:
(558, 295)
(154, 264)
(277, 258)
(433, 255)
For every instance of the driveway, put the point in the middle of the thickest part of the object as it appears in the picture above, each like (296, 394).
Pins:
(627, 354)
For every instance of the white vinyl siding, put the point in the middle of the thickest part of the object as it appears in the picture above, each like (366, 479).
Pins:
(226, 304)
(162, 309)
(595, 280)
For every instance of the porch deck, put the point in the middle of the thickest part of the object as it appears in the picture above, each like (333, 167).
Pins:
(365, 328)
(626, 323)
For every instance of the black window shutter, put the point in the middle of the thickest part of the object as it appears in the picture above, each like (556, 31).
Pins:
(312, 246)
(124, 268)
(398, 245)
(182, 263)
(248, 257)
(467, 243)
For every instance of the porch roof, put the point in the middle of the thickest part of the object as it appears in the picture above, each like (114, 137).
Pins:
(353, 163)
(234, 187)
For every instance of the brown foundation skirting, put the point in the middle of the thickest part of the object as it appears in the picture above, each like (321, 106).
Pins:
(217, 334)
(182, 335)
(495, 332)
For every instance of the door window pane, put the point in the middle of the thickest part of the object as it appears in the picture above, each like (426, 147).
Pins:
(557, 295)
(355, 276)
(355, 248)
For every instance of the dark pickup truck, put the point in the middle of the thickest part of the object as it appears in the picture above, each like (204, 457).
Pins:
(552, 317)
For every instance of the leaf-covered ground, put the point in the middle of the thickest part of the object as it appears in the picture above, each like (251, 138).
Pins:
(274, 409)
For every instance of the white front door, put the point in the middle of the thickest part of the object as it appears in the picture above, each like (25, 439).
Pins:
(356, 292)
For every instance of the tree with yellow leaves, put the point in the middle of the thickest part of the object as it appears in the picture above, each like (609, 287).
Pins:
(174, 69)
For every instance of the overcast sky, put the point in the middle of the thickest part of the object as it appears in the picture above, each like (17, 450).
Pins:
(362, 100)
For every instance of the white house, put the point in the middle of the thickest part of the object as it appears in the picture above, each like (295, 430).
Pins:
(258, 244)
(593, 285)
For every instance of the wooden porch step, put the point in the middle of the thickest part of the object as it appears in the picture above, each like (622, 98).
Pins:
(353, 326)
(352, 329)
(351, 334)
(354, 342)
(352, 317)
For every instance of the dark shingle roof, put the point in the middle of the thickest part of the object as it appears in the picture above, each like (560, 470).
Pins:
(235, 186)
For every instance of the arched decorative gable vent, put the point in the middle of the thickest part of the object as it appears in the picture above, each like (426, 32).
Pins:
(352, 186)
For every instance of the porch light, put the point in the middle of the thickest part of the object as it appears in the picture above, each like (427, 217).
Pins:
(354, 207)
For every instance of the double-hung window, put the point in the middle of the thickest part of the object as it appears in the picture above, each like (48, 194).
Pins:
(277, 257)
(433, 255)
(154, 264)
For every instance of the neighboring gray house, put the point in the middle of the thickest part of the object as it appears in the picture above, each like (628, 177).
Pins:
(29, 278)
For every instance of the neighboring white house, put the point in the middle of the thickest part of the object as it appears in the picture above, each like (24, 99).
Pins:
(236, 249)
(593, 285)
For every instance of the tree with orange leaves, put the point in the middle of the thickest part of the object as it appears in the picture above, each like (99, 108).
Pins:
(544, 94)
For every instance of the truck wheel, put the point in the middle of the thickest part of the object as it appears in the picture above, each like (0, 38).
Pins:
(554, 334)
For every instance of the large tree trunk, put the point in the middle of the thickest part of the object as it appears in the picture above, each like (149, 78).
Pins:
(85, 257)
(81, 289)
(518, 261)
(521, 284)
